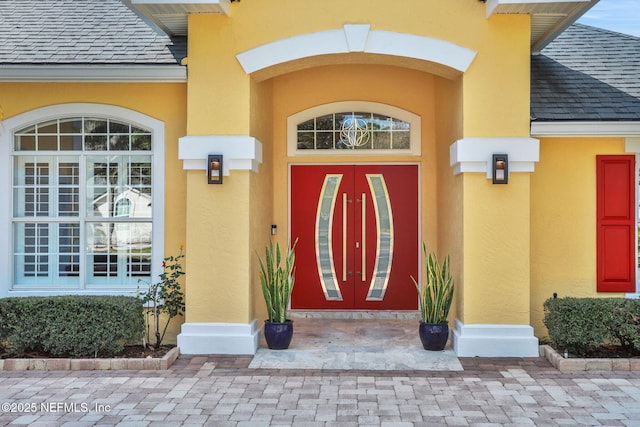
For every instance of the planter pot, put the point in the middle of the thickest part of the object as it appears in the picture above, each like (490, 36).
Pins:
(278, 335)
(434, 336)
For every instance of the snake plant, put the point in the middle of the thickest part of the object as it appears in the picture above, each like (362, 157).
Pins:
(436, 294)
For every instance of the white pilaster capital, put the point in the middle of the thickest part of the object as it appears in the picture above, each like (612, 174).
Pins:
(241, 152)
(475, 154)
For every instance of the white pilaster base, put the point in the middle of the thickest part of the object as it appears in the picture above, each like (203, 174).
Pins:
(219, 338)
(494, 340)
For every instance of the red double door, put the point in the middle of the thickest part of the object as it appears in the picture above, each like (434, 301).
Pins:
(357, 232)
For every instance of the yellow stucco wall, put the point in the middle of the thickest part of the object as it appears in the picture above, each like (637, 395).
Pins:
(450, 188)
(490, 100)
(163, 101)
(563, 220)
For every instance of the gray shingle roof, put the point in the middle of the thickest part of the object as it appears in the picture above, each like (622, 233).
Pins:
(81, 32)
(587, 74)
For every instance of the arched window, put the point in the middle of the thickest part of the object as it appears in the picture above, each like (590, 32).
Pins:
(81, 215)
(354, 127)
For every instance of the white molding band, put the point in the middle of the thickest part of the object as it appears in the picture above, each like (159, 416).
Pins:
(494, 340)
(219, 338)
(584, 129)
(475, 154)
(93, 73)
(356, 38)
(240, 152)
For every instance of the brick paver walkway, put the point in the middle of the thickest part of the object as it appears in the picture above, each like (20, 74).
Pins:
(223, 391)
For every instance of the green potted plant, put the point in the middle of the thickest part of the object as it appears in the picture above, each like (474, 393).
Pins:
(435, 297)
(277, 279)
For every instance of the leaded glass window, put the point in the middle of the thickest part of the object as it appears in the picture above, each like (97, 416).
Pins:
(353, 131)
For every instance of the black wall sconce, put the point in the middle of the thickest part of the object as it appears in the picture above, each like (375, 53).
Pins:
(500, 168)
(214, 169)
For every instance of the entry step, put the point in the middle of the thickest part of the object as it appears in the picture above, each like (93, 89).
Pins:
(355, 314)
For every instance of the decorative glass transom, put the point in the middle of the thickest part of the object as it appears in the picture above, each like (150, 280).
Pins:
(354, 131)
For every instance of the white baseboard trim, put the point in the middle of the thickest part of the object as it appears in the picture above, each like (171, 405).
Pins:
(219, 338)
(494, 340)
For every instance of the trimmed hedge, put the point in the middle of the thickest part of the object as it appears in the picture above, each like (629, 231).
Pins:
(76, 326)
(580, 325)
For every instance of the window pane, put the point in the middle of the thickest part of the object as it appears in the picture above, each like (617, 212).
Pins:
(25, 142)
(117, 127)
(48, 127)
(306, 140)
(401, 141)
(94, 126)
(118, 253)
(381, 140)
(95, 143)
(141, 142)
(32, 249)
(308, 125)
(69, 250)
(47, 143)
(119, 142)
(68, 189)
(73, 125)
(71, 142)
(324, 140)
(325, 122)
(35, 190)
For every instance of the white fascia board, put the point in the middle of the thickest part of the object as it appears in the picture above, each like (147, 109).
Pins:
(475, 154)
(584, 129)
(240, 152)
(93, 73)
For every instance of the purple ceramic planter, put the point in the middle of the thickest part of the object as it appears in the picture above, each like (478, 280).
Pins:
(278, 335)
(434, 336)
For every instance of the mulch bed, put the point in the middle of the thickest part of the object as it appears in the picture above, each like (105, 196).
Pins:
(130, 351)
(606, 352)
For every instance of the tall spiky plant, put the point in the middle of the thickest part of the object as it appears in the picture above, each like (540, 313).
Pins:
(436, 295)
(277, 280)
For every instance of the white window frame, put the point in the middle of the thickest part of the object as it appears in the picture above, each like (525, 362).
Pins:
(415, 139)
(13, 124)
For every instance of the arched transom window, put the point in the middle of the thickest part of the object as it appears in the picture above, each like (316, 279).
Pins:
(354, 127)
(84, 197)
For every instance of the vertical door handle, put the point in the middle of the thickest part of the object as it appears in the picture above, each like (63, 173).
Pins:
(344, 237)
(364, 237)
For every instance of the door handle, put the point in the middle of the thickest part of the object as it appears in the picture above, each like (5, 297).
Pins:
(363, 209)
(344, 237)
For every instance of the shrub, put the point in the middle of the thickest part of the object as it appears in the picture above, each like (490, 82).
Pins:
(77, 326)
(163, 298)
(580, 325)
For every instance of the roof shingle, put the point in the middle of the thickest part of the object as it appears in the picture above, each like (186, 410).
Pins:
(587, 74)
(81, 32)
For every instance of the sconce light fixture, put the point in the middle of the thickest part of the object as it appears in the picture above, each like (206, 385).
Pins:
(500, 168)
(214, 168)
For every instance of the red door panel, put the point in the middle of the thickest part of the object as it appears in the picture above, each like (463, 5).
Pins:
(357, 236)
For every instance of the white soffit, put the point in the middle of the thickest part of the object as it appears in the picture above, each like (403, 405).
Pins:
(171, 15)
(548, 17)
